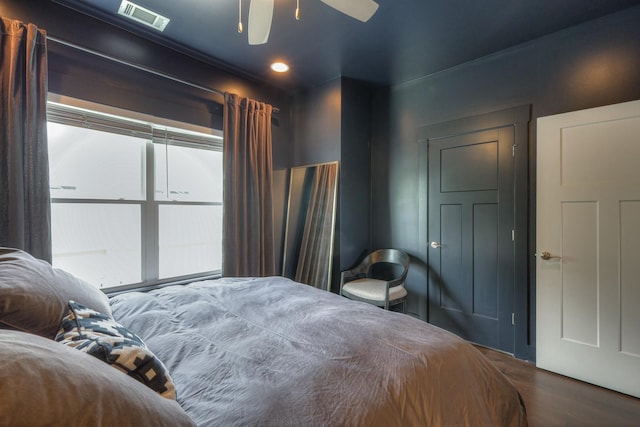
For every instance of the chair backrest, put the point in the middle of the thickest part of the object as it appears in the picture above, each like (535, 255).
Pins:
(390, 256)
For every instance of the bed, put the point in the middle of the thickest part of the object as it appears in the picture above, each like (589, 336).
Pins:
(264, 352)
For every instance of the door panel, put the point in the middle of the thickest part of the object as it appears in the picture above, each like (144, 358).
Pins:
(482, 176)
(451, 257)
(588, 220)
(470, 191)
(485, 260)
(579, 284)
(629, 277)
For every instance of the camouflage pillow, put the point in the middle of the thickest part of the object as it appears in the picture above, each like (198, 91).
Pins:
(100, 336)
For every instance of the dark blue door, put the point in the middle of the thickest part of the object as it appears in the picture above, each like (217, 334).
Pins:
(470, 235)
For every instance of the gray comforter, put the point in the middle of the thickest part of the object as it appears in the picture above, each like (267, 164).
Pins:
(272, 352)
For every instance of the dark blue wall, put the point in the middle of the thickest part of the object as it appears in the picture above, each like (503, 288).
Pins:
(333, 122)
(593, 64)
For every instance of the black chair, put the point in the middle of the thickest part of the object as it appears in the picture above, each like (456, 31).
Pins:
(378, 279)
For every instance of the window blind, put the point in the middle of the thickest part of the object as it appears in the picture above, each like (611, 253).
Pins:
(74, 116)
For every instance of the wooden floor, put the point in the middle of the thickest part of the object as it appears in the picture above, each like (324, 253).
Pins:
(555, 400)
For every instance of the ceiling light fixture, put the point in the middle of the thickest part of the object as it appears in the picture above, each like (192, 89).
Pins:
(261, 15)
(279, 67)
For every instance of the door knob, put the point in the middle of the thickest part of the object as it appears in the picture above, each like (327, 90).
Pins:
(436, 245)
(545, 255)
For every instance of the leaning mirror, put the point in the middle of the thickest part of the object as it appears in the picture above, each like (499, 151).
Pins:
(310, 227)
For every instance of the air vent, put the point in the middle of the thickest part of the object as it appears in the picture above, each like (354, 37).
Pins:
(142, 15)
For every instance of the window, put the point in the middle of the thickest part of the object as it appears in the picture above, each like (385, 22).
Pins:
(133, 202)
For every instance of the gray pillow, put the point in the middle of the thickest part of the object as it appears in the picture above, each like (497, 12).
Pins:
(44, 383)
(34, 295)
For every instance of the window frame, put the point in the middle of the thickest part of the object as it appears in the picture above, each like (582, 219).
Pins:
(74, 112)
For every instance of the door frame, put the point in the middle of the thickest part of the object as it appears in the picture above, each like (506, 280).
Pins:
(518, 118)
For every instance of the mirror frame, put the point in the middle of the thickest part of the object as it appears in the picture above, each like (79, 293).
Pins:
(292, 240)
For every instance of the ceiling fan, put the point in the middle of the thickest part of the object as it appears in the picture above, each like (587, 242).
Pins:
(261, 14)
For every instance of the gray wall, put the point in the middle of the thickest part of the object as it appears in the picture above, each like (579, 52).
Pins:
(593, 64)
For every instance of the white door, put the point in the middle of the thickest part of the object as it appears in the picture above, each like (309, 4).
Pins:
(588, 246)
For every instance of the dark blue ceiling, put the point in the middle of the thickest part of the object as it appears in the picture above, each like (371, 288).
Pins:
(404, 40)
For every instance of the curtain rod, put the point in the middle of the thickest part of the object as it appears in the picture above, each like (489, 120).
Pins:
(139, 67)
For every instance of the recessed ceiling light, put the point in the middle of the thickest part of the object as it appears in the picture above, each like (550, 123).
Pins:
(279, 67)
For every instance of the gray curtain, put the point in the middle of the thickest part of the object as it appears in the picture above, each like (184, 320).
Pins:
(248, 238)
(314, 260)
(25, 213)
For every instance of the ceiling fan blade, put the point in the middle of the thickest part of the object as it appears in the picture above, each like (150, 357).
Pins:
(361, 10)
(260, 16)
